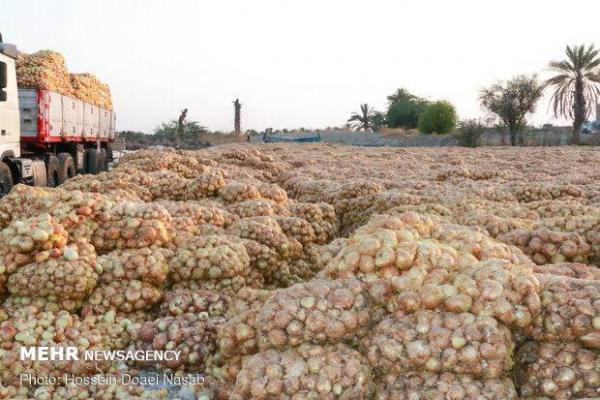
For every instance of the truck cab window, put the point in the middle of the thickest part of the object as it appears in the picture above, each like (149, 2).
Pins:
(3, 80)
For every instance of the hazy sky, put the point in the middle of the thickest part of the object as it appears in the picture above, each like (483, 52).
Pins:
(296, 63)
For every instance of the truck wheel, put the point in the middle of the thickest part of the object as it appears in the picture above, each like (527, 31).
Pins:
(6, 180)
(92, 161)
(53, 171)
(67, 167)
(103, 160)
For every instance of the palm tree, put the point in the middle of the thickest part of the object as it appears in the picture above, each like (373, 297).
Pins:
(364, 119)
(576, 86)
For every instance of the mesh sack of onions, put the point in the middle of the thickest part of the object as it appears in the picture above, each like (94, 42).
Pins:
(272, 266)
(147, 264)
(570, 311)
(169, 188)
(421, 385)
(90, 183)
(212, 257)
(13, 304)
(265, 230)
(557, 370)
(133, 225)
(307, 371)
(22, 239)
(225, 286)
(319, 311)
(586, 226)
(193, 334)
(493, 224)
(72, 275)
(273, 192)
(125, 296)
(31, 328)
(180, 302)
(571, 270)
(117, 328)
(297, 229)
(322, 218)
(545, 246)
(434, 341)
(568, 208)
(198, 212)
(236, 192)
(45, 69)
(206, 185)
(496, 288)
(252, 208)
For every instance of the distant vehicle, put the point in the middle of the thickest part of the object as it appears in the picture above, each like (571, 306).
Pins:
(590, 127)
(45, 137)
(287, 139)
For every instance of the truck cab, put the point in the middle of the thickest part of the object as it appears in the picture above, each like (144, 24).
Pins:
(9, 113)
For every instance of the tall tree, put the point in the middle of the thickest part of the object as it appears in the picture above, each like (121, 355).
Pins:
(404, 109)
(576, 85)
(366, 119)
(180, 124)
(511, 101)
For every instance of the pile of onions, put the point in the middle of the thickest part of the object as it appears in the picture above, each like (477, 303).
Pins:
(125, 296)
(133, 225)
(557, 370)
(147, 264)
(198, 212)
(307, 371)
(570, 311)
(566, 208)
(537, 192)
(493, 224)
(545, 246)
(440, 342)
(443, 386)
(70, 274)
(461, 172)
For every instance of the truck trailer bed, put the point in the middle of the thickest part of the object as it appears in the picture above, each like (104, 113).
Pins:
(49, 117)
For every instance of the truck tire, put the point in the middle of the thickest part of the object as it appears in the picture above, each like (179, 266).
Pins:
(6, 179)
(53, 171)
(103, 160)
(92, 161)
(67, 167)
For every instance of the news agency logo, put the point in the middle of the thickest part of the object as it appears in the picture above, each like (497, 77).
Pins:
(50, 353)
(72, 353)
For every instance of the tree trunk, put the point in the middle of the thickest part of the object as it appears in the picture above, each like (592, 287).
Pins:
(513, 136)
(579, 111)
(236, 119)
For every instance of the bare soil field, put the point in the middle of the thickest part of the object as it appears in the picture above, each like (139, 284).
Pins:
(311, 272)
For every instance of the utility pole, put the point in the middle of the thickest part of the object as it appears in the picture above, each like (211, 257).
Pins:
(236, 121)
(182, 118)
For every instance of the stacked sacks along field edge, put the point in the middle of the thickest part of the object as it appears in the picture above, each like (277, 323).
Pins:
(312, 271)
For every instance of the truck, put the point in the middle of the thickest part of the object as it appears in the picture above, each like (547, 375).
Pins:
(46, 137)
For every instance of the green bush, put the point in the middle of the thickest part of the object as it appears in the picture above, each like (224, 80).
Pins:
(405, 113)
(469, 133)
(439, 117)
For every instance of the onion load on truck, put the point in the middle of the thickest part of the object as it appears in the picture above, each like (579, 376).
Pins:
(53, 124)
